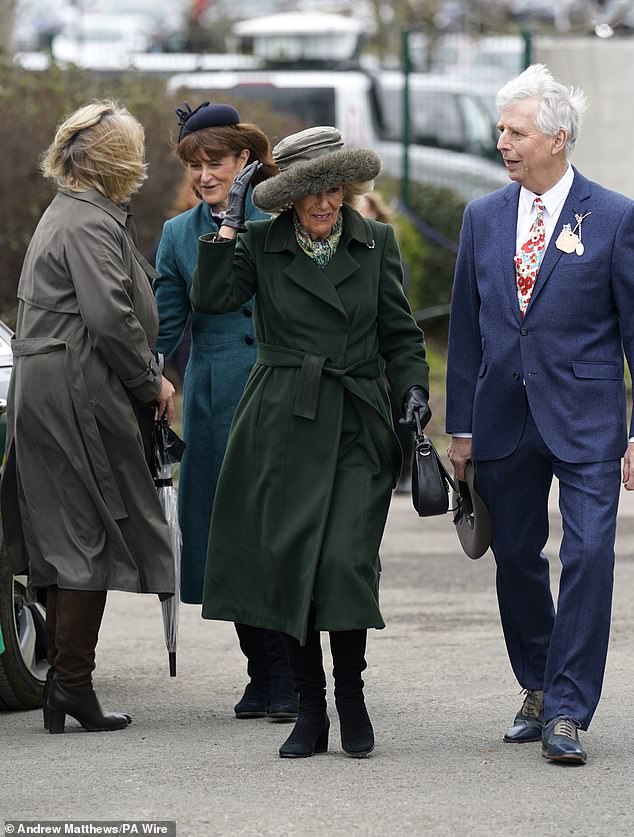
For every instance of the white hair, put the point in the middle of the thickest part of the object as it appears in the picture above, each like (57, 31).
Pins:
(559, 106)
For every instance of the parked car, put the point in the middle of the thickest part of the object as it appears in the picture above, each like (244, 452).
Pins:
(23, 665)
(444, 113)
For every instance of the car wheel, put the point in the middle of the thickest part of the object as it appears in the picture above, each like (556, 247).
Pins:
(23, 665)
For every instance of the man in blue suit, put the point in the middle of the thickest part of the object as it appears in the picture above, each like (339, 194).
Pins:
(542, 313)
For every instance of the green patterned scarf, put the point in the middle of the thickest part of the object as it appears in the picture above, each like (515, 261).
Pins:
(320, 251)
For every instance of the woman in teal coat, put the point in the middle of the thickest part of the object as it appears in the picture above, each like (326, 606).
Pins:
(214, 145)
(312, 458)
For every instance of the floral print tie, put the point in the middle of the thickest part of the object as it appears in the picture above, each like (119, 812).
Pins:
(529, 258)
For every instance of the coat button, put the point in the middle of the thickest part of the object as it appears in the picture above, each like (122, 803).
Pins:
(523, 331)
(247, 312)
(249, 340)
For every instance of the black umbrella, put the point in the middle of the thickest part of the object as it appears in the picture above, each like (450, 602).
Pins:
(167, 450)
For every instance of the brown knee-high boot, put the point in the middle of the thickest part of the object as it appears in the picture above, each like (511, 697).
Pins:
(78, 619)
(310, 733)
(348, 657)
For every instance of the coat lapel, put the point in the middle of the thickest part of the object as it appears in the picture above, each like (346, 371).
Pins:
(344, 265)
(579, 192)
(303, 272)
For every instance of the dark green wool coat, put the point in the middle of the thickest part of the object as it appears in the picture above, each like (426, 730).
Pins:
(312, 458)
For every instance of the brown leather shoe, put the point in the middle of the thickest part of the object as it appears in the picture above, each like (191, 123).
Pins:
(560, 741)
(529, 721)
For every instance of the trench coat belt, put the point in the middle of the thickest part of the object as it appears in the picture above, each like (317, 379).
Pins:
(86, 420)
(307, 394)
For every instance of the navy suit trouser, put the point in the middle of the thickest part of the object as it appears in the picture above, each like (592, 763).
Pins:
(561, 651)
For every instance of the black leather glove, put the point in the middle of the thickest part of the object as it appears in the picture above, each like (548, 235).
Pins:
(234, 216)
(415, 405)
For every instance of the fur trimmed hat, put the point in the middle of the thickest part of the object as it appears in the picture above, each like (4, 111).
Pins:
(311, 161)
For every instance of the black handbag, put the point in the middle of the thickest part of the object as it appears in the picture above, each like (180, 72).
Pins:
(430, 480)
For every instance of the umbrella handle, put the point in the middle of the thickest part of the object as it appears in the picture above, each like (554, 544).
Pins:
(172, 661)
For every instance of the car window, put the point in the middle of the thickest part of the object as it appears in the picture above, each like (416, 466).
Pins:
(436, 120)
(312, 106)
(479, 127)
(434, 117)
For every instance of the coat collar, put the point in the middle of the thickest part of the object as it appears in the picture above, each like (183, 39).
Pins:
(281, 235)
(118, 212)
(304, 272)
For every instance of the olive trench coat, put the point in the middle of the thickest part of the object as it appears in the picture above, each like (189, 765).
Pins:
(79, 506)
(312, 457)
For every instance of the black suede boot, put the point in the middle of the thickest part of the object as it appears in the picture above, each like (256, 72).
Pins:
(310, 733)
(78, 619)
(254, 703)
(283, 697)
(348, 655)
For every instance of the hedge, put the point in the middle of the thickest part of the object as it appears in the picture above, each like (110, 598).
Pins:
(33, 104)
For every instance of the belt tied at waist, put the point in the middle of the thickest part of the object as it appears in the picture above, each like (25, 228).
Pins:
(312, 368)
(307, 396)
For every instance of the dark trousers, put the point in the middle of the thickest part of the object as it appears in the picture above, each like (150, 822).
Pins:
(562, 651)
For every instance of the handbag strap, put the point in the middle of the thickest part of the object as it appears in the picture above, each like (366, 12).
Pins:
(424, 441)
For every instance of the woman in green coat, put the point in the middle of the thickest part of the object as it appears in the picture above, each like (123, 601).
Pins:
(312, 459)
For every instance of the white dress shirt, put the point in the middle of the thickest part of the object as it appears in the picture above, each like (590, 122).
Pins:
(553, 201)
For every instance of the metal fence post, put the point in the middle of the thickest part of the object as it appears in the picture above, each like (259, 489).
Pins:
(406, 67)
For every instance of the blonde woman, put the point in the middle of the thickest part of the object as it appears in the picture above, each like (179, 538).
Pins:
(80, 510)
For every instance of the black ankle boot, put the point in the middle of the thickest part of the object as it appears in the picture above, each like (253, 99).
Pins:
(357, 734)
(310, 733)
(309, 736)
(83, 707)
(254, 703)
(348, 654)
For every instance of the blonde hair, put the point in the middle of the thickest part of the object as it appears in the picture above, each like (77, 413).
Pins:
(373, 206)
(354, 190)
(99, 146)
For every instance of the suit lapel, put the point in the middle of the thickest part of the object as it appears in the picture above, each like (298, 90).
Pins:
(507, 245)
(574, 203)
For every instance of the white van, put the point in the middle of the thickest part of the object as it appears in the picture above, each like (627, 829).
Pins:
(350, 100)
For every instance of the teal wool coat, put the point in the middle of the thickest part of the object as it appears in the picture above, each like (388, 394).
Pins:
(221, 356)
(312, 458)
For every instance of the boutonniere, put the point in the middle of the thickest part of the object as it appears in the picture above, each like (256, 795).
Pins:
(569, 239)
